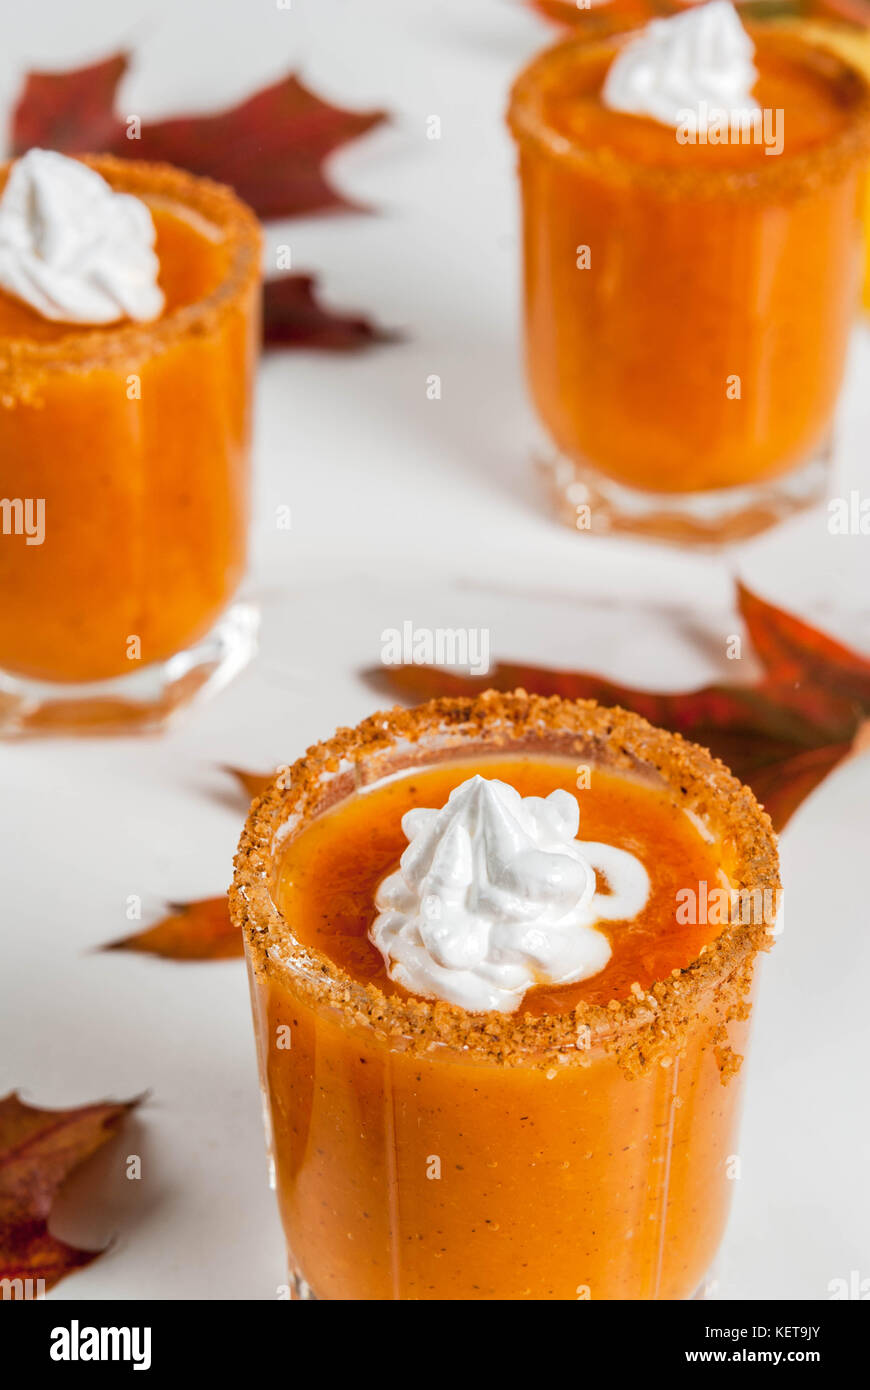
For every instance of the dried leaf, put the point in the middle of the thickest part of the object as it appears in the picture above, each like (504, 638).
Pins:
(293, 317)
(199, 930)
(38, 1151)
(793, 651)
(73, 112)
(252, 783)
(781, 736)
(782, 786)
(270, 148)
(756, 722)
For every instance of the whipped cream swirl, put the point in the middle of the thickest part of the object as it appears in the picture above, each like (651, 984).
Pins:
(74, 249)
(495, 894)
(689, 64)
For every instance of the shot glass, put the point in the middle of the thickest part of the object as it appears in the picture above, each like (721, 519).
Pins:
(688, 304)
(420, 1151)
(124, 474)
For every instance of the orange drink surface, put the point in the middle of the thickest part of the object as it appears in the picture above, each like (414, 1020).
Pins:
(423, 1152)
(136, 438)
(688, 305)
(328, 878)
(852, 42)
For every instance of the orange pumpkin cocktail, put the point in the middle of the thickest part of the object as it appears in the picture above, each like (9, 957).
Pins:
(688, 303)
(133, 438)
(570, 1138)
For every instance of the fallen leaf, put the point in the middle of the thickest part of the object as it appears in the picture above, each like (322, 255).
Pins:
(73, 112)
(781, 735)
(793, 651)
(293, 317)
(199, 930)
(270, 148)
(252, 783)
(38, 1151)
(783, 785)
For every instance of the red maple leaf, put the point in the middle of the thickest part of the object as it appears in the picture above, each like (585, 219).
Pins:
(271, 148)
(293, 316)
(73, 112)
(792, 651)
(38, 1151)
(782, 735)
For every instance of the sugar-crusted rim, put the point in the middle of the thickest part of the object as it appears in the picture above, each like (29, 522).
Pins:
(639, 1029)
(215, 203)
(770, 177)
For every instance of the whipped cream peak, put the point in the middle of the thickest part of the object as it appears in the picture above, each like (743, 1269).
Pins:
(495, 894)
(74, 249)
(687, 64)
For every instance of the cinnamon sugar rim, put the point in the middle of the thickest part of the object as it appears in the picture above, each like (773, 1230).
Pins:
(640, 1028)
(821, 163)
(217, 205)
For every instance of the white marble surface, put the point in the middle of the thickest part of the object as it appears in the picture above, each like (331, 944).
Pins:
(403, 508)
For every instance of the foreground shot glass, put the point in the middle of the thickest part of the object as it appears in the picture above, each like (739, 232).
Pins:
(688, 304)
(124, 469)
(575, 1147)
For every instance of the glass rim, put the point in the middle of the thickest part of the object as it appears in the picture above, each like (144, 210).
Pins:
(106, 345)
(639, 1029)
(797, 173)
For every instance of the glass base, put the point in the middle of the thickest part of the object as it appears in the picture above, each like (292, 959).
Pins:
(590, 502)
(302, 1292)
(707, 1290)
(143, 701)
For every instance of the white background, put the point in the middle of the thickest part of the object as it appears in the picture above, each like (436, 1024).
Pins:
(403, 508)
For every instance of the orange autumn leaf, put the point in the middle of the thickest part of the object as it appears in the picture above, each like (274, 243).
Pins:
(252, 783)
(792, 650)
(782, 735)
(199, 930)
(781, 787)
(38, 1151)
